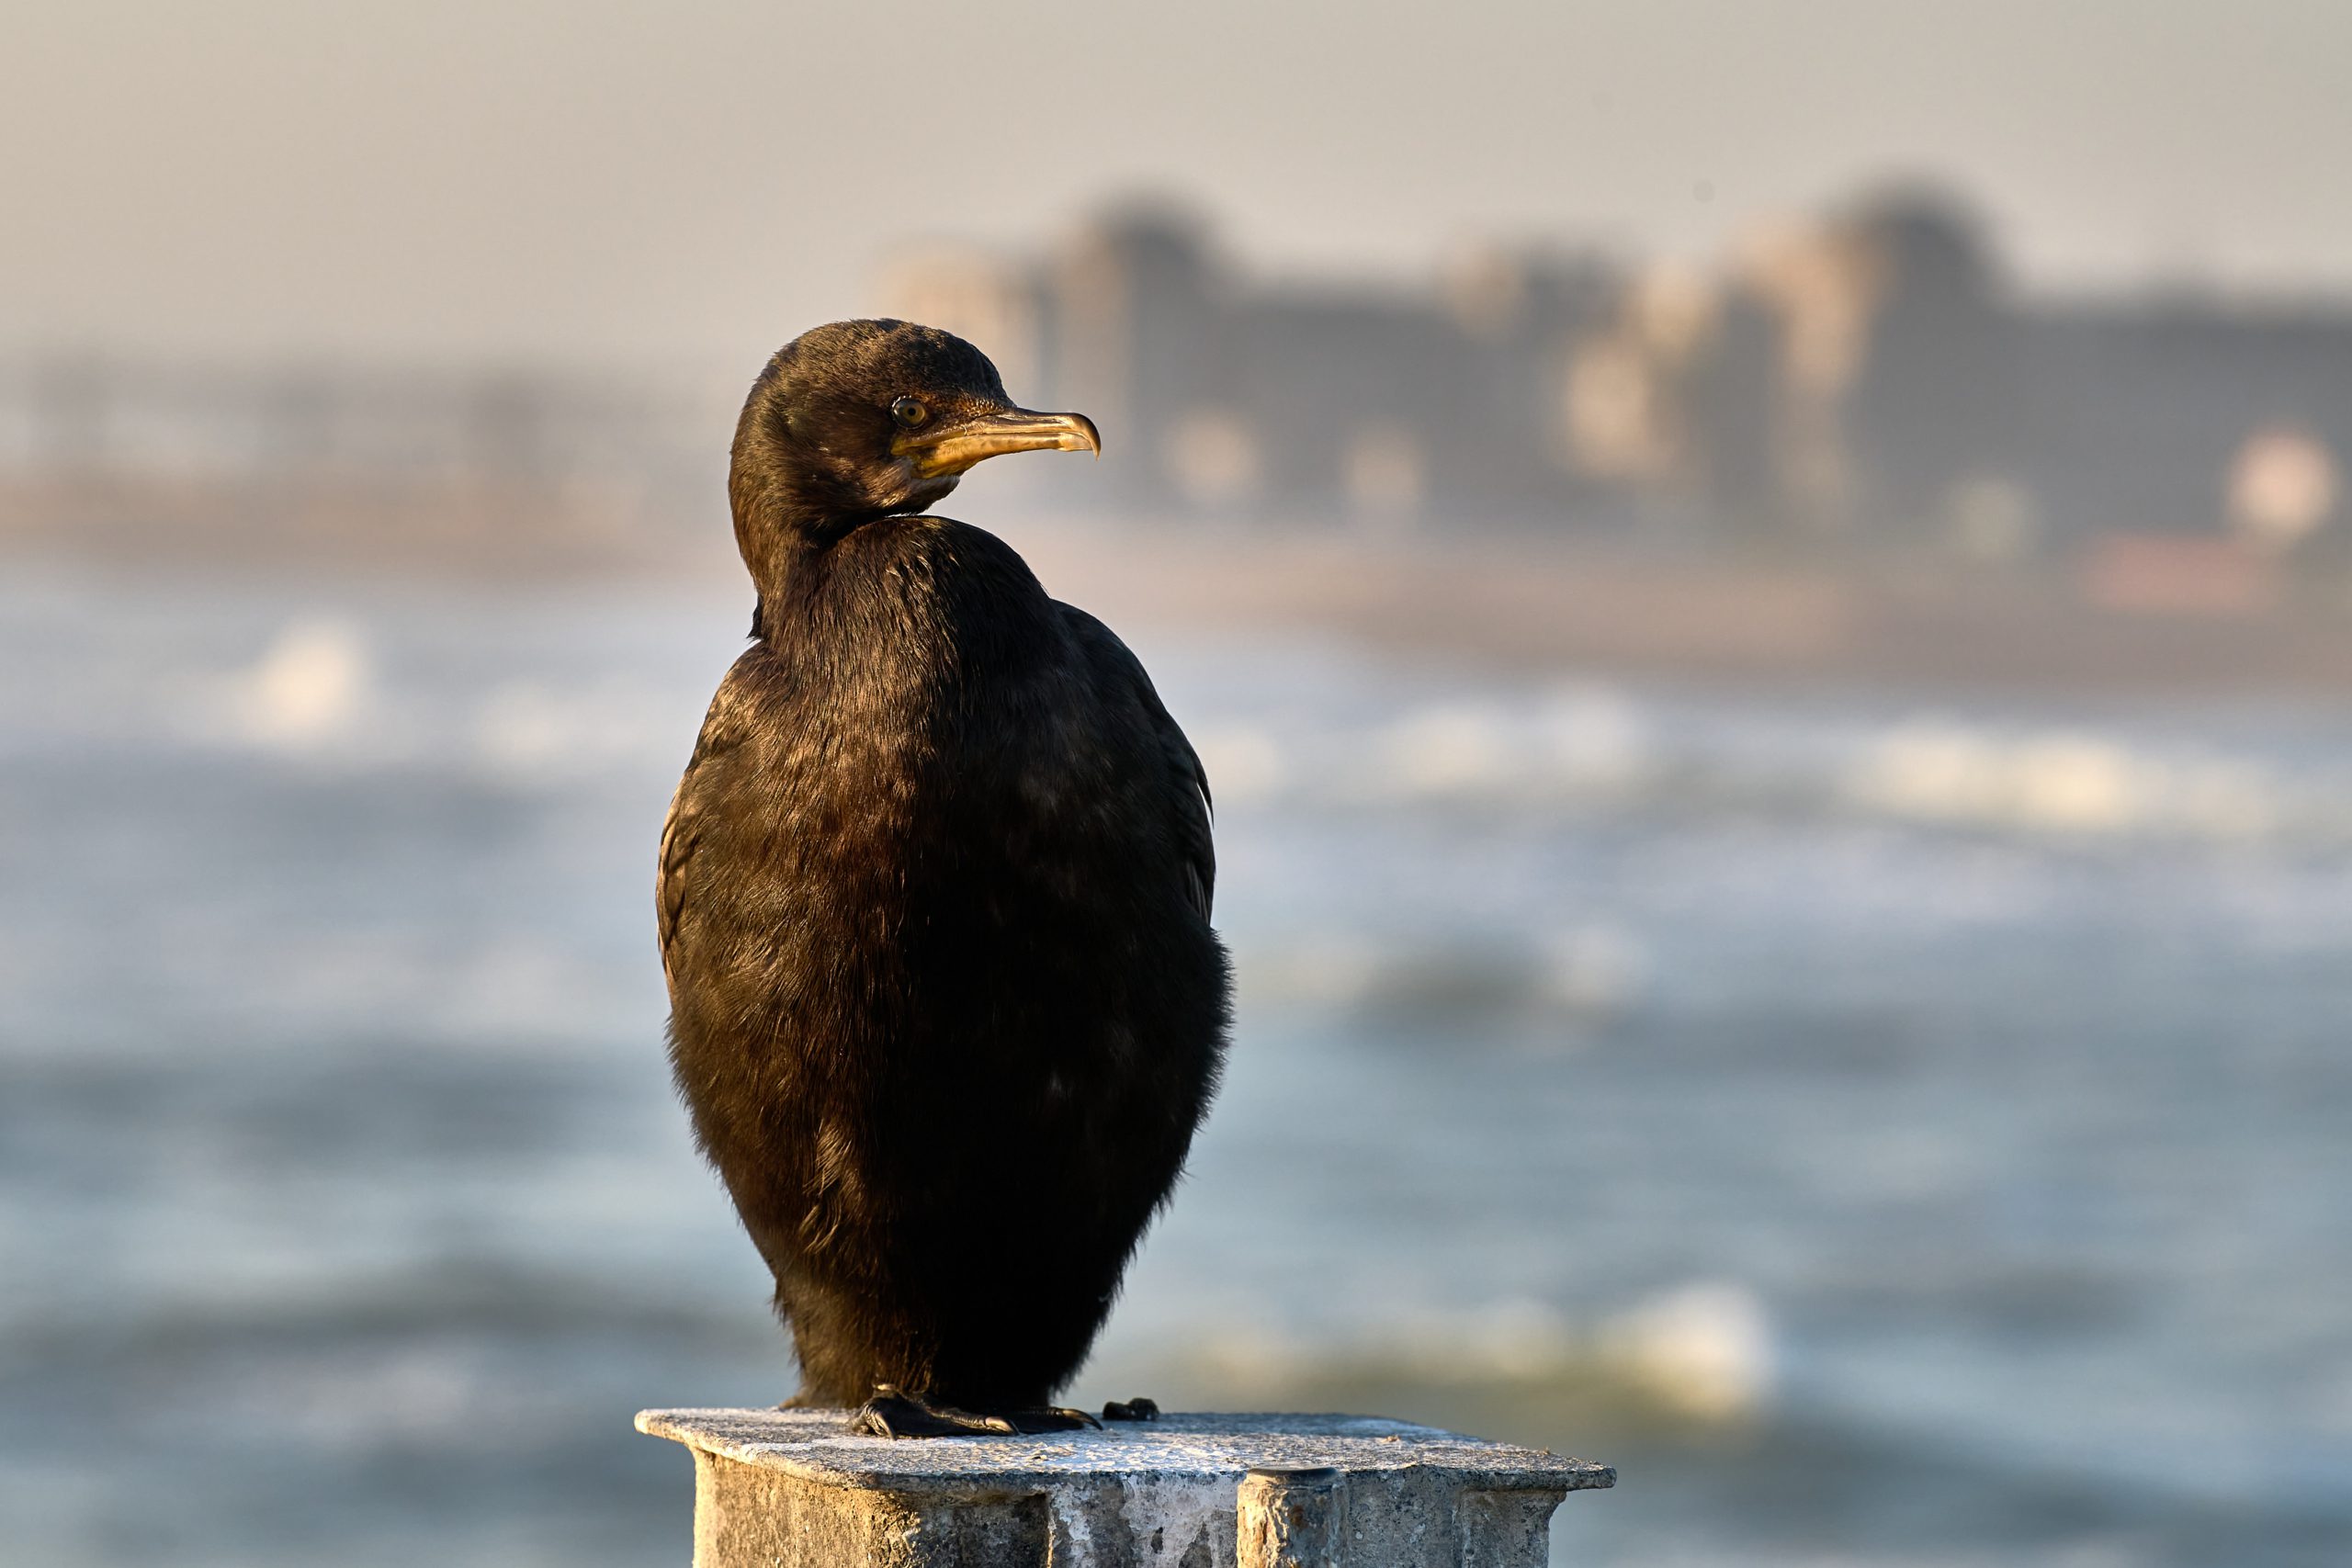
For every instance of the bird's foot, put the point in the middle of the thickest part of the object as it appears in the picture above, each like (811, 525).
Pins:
(892, 1412)
(1136, 1409)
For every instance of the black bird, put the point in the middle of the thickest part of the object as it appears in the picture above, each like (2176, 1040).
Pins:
(946, 1005)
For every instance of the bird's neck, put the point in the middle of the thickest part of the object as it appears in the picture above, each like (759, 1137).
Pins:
(938, 591)
(794, 576)
(783, 546)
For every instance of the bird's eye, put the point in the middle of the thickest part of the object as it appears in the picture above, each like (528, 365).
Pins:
(908, 413)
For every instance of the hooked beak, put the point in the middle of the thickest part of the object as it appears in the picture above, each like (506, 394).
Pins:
(956, 444)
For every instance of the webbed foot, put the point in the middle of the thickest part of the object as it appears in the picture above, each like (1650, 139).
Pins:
(1138, 1408)
(892, 1412)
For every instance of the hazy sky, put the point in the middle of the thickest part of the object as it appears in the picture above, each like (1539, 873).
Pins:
(692, 183)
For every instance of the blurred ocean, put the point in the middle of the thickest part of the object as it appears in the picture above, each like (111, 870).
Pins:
(1892, 1129)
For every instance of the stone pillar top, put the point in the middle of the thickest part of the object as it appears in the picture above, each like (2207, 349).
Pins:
(818, 1445)
(799, 1489)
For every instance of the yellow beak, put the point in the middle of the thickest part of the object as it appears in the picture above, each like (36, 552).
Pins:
(955, 445)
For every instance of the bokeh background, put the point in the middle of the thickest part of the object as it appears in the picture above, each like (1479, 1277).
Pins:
(1767, 592)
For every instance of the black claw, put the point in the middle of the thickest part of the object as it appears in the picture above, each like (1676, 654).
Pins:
(890, 1414)
(1136, 1409)
(1054, 1418)
(894, 1413)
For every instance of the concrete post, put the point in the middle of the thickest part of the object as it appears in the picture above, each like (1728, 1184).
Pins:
(1291, 1517)
(798, 1489)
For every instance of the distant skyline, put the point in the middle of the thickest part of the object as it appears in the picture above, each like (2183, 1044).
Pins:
(689, 184)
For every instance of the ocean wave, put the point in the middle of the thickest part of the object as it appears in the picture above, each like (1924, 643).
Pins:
(309, 689)
(1592, 750)
(1703, 1353)
(2068, 782)
(326, 689)
(1588, 973)
(323, 691)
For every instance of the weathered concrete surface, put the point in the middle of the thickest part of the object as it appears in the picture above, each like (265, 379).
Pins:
(1291, 1518)
(798, 1489)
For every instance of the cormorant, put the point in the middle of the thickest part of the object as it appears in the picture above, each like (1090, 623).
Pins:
(946, 1004)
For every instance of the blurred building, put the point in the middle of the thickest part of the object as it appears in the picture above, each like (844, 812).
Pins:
(432, 464)
(1378, 405)
(1868, 378)
(1864, 381)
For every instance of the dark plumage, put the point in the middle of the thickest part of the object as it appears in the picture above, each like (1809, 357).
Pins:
(934, 893)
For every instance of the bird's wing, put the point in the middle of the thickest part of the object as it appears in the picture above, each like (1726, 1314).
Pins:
(1189, 793)
(682, 829)
(670, 882)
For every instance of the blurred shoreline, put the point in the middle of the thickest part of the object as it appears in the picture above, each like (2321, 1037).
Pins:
(1515, 599)
(1493, 596)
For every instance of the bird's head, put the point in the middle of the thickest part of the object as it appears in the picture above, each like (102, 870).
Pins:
(857, 421)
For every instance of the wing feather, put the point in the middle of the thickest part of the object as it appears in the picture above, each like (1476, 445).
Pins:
(682, 831)
(1192, 808)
